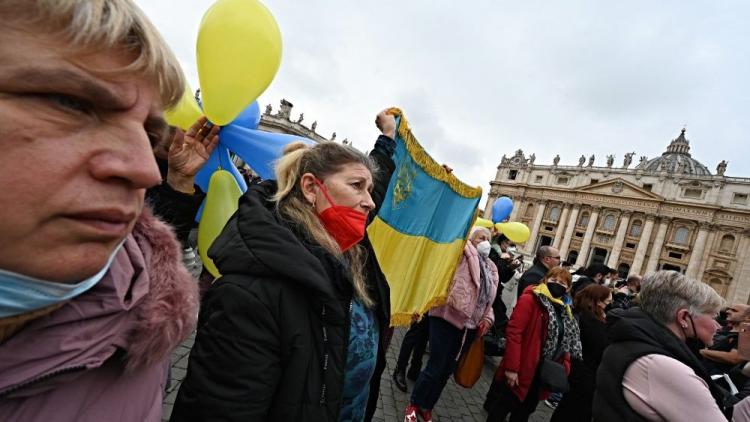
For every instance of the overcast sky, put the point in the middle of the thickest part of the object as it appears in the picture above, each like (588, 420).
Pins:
(481, 79)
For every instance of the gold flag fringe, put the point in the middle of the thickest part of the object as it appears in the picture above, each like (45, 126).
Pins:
(403, 319)
(427, 163)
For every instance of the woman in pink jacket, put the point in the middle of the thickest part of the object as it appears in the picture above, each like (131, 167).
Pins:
(453, 326)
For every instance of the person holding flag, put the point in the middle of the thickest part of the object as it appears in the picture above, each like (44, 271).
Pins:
(294, 328)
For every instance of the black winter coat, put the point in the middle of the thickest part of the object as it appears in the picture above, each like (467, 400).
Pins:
(274, 329)
(532, 276)
(632, 334)
(576, 403)
(175, 208)
(582, 283)
(504, 270)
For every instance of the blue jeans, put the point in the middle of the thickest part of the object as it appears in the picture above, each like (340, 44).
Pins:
(445, 345)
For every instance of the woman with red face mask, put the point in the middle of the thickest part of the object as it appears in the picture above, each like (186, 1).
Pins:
(294, 328)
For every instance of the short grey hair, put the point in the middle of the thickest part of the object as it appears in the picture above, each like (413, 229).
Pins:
(663, 293)
(477, 229)
(95, 25)
(544, 251)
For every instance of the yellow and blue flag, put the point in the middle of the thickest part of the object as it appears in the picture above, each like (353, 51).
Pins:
(421, 229)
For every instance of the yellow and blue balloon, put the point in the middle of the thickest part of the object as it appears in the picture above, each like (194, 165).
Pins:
(238, 54)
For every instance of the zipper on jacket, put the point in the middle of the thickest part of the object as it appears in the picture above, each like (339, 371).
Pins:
(41, 378)
(325, 348)
(325, 357)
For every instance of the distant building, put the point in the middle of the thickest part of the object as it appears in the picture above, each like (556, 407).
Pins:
(281, 122)
(668, 212)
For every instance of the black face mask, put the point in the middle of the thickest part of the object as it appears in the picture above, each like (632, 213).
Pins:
(556, 290)
(693, 343)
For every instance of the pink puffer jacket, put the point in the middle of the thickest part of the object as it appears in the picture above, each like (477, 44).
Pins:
(464, 292)
(104, 355)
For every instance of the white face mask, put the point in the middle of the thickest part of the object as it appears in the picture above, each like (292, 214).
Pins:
(607, 282)
(484, 248)
(512, 250)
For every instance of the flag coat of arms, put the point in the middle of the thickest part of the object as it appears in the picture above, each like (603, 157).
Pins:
(421, 229)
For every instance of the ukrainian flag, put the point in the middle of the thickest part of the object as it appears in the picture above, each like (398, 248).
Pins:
(420, 231)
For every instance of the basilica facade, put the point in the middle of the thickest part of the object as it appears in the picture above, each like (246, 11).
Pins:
(669, 212)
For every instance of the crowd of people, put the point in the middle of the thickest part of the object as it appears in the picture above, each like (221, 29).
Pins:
(94, 294)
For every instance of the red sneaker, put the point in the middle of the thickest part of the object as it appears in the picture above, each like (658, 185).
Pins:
(425, 415)
(410, 415)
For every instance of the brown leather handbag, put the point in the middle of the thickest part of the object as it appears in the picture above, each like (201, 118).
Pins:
(470, 366)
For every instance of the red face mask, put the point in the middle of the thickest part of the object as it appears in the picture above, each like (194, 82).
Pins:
(346, 225)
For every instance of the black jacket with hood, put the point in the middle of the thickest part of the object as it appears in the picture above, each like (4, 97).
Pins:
(633, 334)
(274, 329)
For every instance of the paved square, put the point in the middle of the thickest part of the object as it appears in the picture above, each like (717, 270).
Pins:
(456, 404)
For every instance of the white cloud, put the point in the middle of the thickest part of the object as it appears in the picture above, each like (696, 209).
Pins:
(484, 78)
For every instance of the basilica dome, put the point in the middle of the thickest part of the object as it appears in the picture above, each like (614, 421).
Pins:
(676, 159)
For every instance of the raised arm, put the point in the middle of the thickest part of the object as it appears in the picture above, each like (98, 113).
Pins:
(382, 154)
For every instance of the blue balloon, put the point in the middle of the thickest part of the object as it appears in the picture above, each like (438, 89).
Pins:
(501, 209)
(219, 159)
(257, 148)
(249, 118)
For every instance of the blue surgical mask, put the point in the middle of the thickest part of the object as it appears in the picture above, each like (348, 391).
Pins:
(20, 294)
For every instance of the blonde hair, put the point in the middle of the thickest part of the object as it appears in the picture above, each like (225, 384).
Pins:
(322, 160)
(93, 25)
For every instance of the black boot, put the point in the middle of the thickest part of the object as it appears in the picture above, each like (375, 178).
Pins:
(400, 380)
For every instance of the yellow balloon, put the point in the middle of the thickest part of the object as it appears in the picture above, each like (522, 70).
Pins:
(483, 222)
(238, 54)
(221, 202)
(186, 112)
(516, 232)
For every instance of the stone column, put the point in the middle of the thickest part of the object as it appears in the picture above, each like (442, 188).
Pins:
(614, 256)
(518, 204)
(640, 251)
(583, 254)
(561, 227)
(739, 289)
(569, 228)
(488, 208)
(706, 253)
(697, 252)
(661, 234)
(531, 243)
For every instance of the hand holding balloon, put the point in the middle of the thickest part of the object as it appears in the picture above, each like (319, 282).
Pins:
(189, 152)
